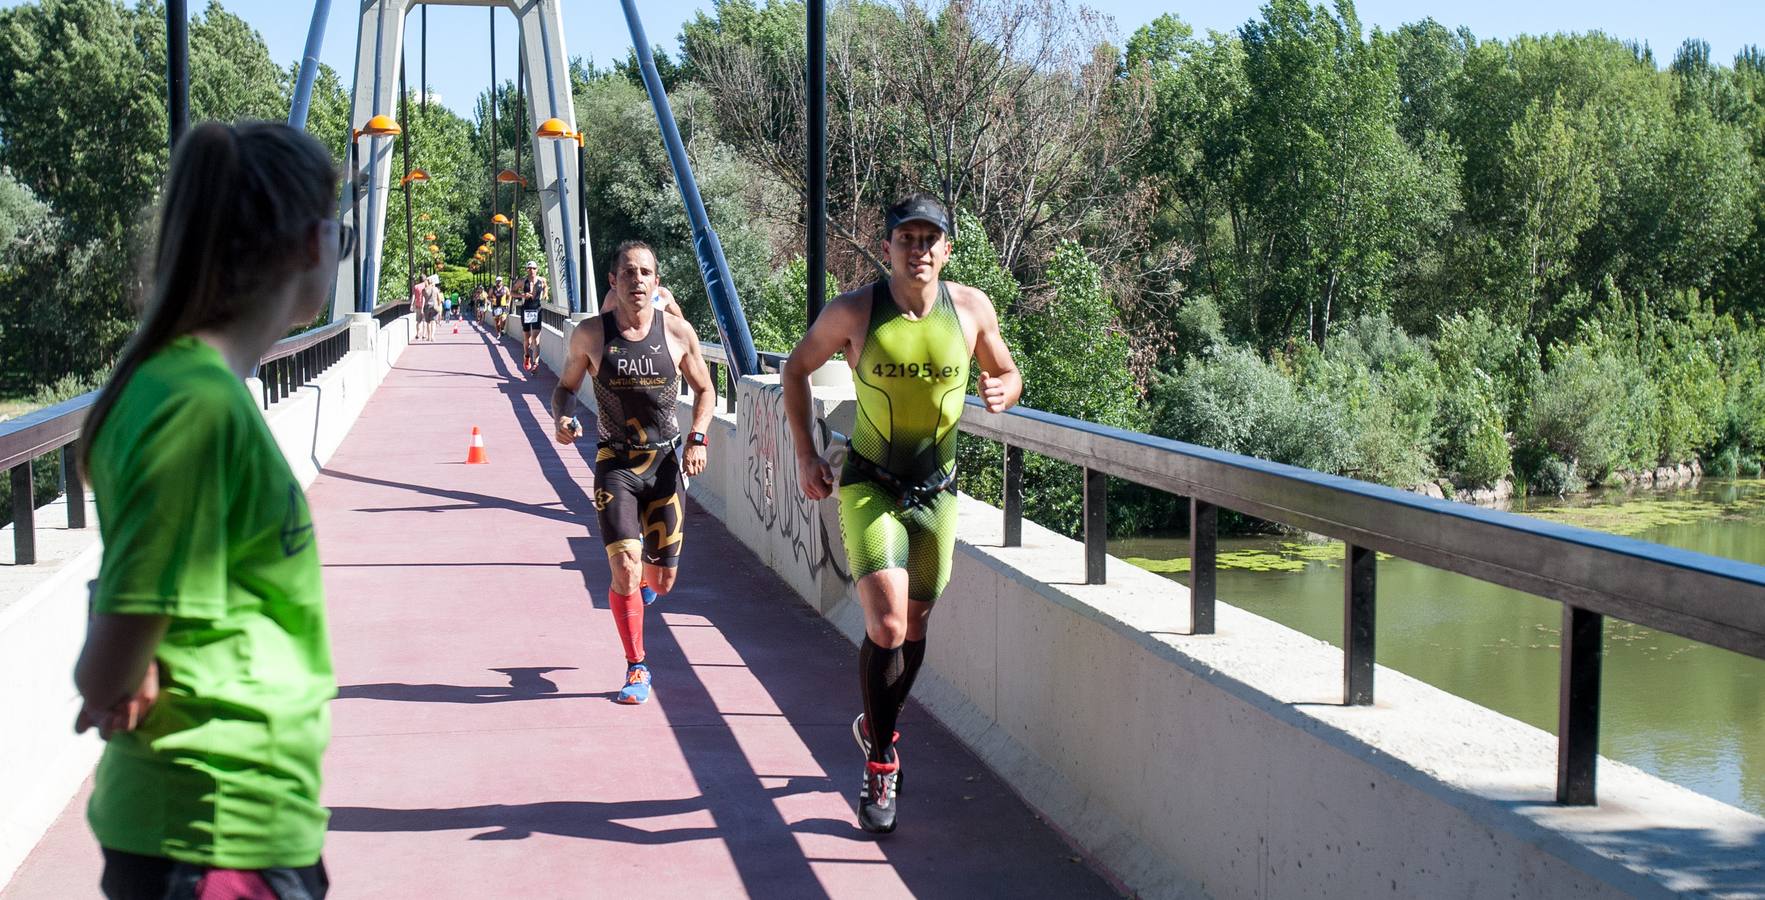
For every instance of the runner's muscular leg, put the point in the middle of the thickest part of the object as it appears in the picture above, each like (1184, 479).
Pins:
(884, 597)
(660, 578)
(627, 569)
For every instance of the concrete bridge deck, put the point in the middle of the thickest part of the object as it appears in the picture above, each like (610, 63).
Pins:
(477, 751)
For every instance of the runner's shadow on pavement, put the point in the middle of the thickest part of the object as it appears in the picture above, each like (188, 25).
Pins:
(525, 683)
(581, 819)
(466, 500)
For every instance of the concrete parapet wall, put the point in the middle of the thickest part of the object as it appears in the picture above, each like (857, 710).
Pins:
(43, 607)
(1224, 765)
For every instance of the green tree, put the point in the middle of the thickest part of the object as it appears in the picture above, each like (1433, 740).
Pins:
(452, 205)
(778, 314)
(635, 195)
(69, 71)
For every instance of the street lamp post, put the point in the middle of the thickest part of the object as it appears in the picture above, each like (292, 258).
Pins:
(520, 129)
(379, 125)
(489, 240)
(510, 176)
(554, 129)
(413, 176)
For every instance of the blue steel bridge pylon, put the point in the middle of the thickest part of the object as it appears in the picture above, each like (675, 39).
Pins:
(379, 45)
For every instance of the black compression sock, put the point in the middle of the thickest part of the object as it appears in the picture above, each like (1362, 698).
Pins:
(879, 674)
(912, 657)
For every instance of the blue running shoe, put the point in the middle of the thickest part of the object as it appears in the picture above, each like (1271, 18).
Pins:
(637, 685)
(649, 594)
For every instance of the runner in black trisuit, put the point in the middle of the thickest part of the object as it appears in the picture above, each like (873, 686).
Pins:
(531, 292)
(637, 356)
(908, 340)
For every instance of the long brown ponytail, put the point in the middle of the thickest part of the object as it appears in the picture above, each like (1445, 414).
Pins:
(238, 201)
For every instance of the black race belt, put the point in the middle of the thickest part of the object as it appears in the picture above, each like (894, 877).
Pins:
(629, 447)
(910, 495)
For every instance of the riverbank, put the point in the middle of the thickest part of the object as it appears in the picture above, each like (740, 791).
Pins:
(1685, 474)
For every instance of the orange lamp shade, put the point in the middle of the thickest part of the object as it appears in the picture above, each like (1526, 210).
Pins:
(489, 238)
(509, 176)
(555, 130)
(434, 249)
(429, 237)
(500, 219)
(415, 176)
(380, 126)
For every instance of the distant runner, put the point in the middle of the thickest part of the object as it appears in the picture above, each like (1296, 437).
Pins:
(637, 356)
(500, 296)
(908, 340)
(531, 292)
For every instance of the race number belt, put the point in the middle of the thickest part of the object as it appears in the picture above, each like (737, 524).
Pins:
(625, 447)
(529, 316)
(909, 495)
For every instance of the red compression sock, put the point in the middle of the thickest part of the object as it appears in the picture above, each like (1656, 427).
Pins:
(628, 618)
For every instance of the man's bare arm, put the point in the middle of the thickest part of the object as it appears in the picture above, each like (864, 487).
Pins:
(831, 333)
(1001, 385)
(694, 371)
(580, 362)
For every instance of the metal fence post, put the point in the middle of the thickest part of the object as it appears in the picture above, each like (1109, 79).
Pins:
(24, 516)
(1096, 525)
(1578, 706)
(1013, 496)
(1357, 626)
(73, 486)
(1204, 520)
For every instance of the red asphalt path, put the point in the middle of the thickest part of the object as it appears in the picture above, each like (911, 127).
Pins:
(477, 752)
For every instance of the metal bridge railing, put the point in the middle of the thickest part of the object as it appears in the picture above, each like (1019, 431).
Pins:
(295, 361)
(555, 316)
(718, 362)
(387, 313)
(289, 364)
(1709, 599)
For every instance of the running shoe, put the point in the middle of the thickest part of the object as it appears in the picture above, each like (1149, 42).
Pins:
(637, 685)
(649, 594)
(876, 802)
(861, 734)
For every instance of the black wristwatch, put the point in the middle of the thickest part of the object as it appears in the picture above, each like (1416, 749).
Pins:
(697, 439)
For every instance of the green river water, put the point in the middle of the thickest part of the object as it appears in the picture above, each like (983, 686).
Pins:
(1689, 713)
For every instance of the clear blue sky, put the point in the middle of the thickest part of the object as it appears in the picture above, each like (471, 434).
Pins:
(458, 37)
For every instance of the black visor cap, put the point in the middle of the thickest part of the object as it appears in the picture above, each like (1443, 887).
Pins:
(918, 209)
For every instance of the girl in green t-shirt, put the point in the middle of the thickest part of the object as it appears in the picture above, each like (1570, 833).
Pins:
(206, 667)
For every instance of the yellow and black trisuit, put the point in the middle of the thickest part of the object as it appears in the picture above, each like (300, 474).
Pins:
(897, 497)
(636, 473)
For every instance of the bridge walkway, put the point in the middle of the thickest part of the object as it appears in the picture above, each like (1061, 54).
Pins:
(477, 751)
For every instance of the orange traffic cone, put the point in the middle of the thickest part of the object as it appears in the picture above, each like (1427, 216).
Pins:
(456, 327)
(475, 454)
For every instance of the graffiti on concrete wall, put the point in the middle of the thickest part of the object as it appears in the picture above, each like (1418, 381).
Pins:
(774, 491)
(560, 266)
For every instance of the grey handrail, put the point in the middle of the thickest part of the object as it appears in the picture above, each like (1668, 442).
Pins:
(289, 346)
(41, 431)
(1706, 598)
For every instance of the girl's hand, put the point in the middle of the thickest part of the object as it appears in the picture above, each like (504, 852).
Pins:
(126, 715)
